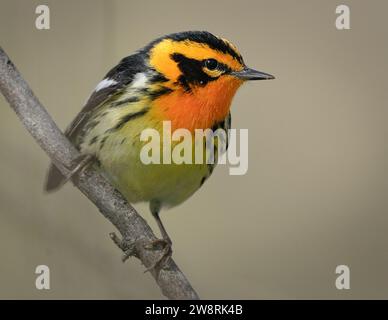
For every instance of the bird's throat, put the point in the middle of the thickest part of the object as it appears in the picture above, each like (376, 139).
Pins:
(201, 108)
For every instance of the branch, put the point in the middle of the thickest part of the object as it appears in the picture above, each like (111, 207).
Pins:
(135, 232)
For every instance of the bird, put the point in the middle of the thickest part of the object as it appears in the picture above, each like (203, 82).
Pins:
(188, 78)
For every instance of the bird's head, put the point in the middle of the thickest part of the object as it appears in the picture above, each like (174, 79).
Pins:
(200, 74)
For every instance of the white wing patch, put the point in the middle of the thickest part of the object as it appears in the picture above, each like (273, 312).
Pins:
(139, 81)
(104, 84)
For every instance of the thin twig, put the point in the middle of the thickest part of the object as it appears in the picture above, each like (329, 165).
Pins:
(135, 232)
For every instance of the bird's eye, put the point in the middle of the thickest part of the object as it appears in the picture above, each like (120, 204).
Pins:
(211, 64)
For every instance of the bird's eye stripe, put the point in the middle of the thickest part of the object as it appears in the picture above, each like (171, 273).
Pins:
(224, 67)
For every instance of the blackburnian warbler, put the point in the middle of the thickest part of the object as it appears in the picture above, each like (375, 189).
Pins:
(187, 78)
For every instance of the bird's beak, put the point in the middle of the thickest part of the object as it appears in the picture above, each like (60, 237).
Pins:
(251, 74)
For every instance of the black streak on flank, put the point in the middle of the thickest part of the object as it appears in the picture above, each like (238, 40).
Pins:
(127, 118)
(93, 140)
(102, 143)
(162, 91)
(125, 101)
(211, 166)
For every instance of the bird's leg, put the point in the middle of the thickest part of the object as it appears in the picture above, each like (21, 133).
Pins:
(165, 241)
(165, 237)
(81, 163)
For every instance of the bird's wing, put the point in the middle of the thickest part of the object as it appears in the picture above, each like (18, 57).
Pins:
(95, 101)
(116, 80)
(114, 83)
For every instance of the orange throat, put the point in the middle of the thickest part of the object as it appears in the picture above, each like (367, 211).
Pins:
(201, 108)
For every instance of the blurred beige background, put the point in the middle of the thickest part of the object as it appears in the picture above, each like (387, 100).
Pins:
(315, 195)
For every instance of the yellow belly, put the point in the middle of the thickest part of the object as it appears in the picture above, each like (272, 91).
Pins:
(170, 184)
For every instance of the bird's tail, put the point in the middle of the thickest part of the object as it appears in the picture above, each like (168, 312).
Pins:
(55, 179)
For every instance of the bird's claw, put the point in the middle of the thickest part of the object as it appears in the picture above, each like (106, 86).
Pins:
(166, 252)
(163, 245)
(129, 250)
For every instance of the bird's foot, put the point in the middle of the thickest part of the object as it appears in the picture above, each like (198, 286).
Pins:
(129, 250)
(162, 245)
(165, 246)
